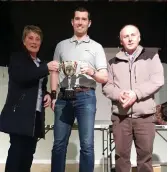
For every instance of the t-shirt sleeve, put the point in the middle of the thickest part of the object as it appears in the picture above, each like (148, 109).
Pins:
(57, 56)
(100, 60)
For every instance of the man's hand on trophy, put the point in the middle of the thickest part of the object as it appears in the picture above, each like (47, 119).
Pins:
(53, 66)
(87, 70)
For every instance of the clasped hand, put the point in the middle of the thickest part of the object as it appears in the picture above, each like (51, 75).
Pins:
(127, 98)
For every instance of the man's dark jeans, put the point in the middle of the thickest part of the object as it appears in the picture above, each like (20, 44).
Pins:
(83, 108)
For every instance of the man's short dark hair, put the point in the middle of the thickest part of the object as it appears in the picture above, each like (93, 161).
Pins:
(81, 9)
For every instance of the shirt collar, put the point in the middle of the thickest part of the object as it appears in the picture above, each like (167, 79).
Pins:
(122, 55)
(133, 54)
(84, 39)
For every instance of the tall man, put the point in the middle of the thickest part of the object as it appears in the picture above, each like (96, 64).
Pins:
(135, 75)
(79, 48)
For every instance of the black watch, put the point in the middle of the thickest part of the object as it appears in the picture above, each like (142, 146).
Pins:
(53, 94)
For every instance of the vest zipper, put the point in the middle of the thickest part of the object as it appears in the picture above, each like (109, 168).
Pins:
(135, 74)
(130, 69)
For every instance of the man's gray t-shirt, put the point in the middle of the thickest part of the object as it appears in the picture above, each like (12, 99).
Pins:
(87, 51)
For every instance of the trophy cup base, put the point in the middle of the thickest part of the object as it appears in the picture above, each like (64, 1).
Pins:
(69, 94)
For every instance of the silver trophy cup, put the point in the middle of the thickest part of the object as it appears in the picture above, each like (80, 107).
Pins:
(69, 69)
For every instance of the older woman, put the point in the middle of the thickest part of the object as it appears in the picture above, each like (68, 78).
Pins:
(23, 114)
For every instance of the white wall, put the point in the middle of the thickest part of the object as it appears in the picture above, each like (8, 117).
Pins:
(44, 147)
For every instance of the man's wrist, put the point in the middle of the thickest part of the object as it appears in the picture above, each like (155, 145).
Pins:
(53, 94)
(94, 73)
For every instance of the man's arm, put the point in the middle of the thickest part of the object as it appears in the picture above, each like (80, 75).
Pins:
(54, 80)
(54, 77)
(99, 74)
(47, 98)
(155, 82)
(110, 90)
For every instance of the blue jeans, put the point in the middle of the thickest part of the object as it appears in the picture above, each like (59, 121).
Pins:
(83, 109)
